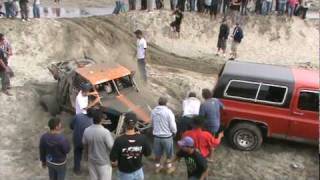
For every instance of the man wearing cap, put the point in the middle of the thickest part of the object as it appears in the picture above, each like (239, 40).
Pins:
(196, 164)
(164, 128)
(97, 142)
(82, 99)
(128, 150)
(141, 54)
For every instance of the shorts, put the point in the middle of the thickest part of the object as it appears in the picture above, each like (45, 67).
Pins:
(176, 26)
(161, 145)
(222, 43)
(234, 46)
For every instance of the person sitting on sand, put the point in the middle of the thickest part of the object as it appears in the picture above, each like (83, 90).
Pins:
(175, 25)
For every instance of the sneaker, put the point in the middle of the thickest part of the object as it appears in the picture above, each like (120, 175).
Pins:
(158, 169)
(28, 20)
(77, 172)
(217, 54)
(170, 170)
(231, 59)
(23, 20)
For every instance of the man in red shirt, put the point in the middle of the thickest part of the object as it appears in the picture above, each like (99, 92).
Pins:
(204, 141)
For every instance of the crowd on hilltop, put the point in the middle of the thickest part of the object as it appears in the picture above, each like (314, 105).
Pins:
(12, 8)
(215, 7)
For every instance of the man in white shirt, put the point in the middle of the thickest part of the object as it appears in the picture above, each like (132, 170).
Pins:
(82, 99)
(191, 105)
(141, 54)
(190, 108)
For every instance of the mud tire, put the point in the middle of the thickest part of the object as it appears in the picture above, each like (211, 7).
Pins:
(50, 104)
(245, 137)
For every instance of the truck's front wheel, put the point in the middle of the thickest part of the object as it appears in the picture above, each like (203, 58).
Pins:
(245, 136)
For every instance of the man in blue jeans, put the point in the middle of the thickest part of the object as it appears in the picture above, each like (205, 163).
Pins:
(192, 4)
(210, 109)
(78, 125)
(282, 6)
(54, 148)
(128, 150)
(8, 5)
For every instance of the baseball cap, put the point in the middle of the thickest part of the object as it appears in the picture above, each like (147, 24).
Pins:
(130, 119)
(186, 142)
(85, 86)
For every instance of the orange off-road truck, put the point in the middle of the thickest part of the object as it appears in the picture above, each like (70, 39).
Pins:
(115, 84)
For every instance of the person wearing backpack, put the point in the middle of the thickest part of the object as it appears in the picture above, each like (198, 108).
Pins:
(237, 36)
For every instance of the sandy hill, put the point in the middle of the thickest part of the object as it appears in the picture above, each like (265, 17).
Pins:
(39, 42)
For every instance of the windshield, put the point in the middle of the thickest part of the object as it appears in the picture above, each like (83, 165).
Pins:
(114, 86)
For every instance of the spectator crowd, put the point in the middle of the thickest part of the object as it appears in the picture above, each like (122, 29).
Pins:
(12, 8)
(225, 7)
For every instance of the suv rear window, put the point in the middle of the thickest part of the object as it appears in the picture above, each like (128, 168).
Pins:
(271, 93)
(309, 101)
(257, 92)
(242, 89)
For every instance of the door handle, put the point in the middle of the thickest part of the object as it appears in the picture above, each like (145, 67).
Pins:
(298, 113)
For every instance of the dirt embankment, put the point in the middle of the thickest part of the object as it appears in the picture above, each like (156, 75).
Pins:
(267, 39)
(38, 43)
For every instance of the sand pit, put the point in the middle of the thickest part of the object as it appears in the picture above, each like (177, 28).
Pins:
(171, 70)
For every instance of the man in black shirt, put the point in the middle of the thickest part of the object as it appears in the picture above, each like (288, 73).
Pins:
(196, 164)
(175, 25)
(223, 37)
(4, 73)
(128, 150)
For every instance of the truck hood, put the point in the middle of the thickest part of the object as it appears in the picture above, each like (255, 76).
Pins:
(129, 100)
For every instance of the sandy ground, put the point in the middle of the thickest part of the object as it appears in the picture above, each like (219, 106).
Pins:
(106, 39)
